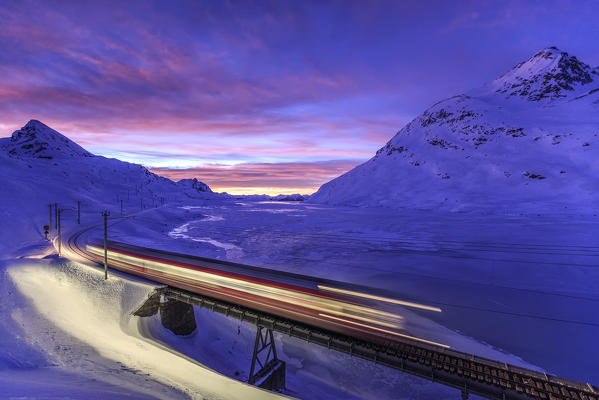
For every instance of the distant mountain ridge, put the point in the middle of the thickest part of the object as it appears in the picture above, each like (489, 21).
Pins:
(39, 153)
(527, 139)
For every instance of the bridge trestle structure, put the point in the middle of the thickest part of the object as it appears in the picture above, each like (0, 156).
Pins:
(465, 372)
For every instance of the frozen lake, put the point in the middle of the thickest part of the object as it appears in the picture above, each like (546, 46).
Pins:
(520, 284)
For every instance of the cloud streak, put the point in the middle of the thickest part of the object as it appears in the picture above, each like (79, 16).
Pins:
(263, 178)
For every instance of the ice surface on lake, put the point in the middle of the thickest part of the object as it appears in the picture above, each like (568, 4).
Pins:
(492, 274)
(182, 232)
(212, 218)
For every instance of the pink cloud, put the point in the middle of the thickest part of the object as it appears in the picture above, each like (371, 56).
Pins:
(287, 177)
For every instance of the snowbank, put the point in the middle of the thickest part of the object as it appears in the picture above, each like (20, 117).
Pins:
(95, 313)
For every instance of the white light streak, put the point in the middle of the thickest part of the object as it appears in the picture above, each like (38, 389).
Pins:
(379, 298)
(288, 296)
(385, 331)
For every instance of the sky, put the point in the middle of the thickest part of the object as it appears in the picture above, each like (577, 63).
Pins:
(261, 96)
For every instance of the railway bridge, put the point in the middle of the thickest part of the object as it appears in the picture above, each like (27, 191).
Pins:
(427, 359)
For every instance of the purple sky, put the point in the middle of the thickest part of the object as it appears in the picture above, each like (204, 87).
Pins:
(269, 96)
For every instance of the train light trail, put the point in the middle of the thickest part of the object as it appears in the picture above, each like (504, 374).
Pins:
(385, 331)
(379, 298)
(366, 319)
(287, 297)
(294, 306)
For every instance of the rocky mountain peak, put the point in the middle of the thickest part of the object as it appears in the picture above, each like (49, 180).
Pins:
(550, 74)
(536, 149)
(195, 184)
(37, 140)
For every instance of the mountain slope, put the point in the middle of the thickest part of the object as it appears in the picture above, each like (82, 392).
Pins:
(529, 139)
(39, 166)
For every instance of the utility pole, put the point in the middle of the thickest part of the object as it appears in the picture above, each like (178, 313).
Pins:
(50, 221)
(78, 212)
(59, 235)
(56, 215)
(105, 214)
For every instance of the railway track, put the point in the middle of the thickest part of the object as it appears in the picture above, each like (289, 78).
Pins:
(465, 372)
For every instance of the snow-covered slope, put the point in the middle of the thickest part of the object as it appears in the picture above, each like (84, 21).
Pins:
(39, 166)
(529, 139)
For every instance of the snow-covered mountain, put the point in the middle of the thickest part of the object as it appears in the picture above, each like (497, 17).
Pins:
(37, 140)
(49, 156)
(549, 74)
(291, 197)
(195, 184)
(39, 166)
(529, 139)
